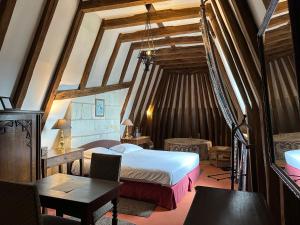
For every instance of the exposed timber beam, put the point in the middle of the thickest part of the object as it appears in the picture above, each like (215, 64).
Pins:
(6, 11)
(98, 5)
(61, 65)
(182, 61)
(126, 64)
(156, 17)
(180, 50)
(91, 59)
(90, 91)
(187, 66)
(34, 53)
(171, 41)
(180, 56)
(111, 61)
(162, 32)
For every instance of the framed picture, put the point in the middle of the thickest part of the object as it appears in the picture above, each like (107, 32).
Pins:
(5, 103)
(99, 107)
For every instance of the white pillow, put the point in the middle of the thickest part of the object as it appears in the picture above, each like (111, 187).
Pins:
(126, 148)
(101, 150)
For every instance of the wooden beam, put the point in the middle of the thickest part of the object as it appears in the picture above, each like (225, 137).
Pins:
(156, 17)
(6, 11)
(34, 52)
(91, 59)
(136, 71)
(111, 61)
(187, 66)
(61, 65)
(98, 5)
(162, 32)
(278, 20)
(180, 50)
(200, 57)
(282, 7)
(170, 41)
(126, 64)
(90, 91)
(183, 62)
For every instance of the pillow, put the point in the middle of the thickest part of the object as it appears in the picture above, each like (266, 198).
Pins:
(101, 150)
(126, 148)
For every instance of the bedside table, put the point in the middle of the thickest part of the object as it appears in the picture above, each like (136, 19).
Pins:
(54, 158)
(143, 140)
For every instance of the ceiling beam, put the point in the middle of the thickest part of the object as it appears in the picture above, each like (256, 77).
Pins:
(282, 7)
(61, 65)
(6, 11)
(180, 56)
(34, 52)
(90, 91)
(171, 41)
(278, 20)
(91, 59)
(182, 61)
(186, 66)
(126, 64)
(100, 5)
(156, 17)
(162, 32)
(180, 50)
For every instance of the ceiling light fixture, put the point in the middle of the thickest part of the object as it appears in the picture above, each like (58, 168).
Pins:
(147, 52)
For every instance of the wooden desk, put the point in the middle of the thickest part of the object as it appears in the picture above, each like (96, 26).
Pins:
(224, 207)
(143, 140)
(84, 196)
(55, 158)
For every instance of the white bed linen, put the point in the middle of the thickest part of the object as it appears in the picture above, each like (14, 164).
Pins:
(293, 158)
(150, 166)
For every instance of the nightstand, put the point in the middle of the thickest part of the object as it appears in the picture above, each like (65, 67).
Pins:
(54, 158)
(143, 140)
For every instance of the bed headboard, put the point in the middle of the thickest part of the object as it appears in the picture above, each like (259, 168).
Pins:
(101, 143)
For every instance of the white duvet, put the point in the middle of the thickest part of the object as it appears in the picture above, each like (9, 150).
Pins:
(150, 166)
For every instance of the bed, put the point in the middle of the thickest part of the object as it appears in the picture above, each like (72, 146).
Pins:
(161, 177)
(292, 166)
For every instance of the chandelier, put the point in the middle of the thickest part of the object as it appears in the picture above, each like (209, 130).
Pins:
(147, 52)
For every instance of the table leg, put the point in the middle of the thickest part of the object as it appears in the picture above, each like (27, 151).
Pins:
(44, 168)
(81, 166)
(115, 212)
(87, 219)
(60, 168)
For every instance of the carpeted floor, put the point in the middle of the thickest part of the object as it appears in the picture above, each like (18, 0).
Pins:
(161, 216)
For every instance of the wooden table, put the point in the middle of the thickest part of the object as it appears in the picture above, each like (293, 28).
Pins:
(80, 196)
(196, 145)
(224, 207)
(55, 158)
(143, 140)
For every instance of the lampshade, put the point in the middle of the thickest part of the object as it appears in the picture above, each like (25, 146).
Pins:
(61, 124)
(127, 122)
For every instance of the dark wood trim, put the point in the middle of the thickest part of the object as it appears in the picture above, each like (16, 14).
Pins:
(91, 59)
(156, 17)
(61, 65)
(34, 52)
(90, 91)
(6, 10)
(136, 71)
(98, 5)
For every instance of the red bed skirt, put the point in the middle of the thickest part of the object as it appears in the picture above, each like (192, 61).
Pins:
(293, 172)
(166, 197)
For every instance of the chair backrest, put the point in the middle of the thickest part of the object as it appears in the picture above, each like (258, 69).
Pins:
(19, 204)
(106, 167)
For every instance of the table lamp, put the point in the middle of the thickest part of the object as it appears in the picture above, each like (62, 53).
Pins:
(61, 125)
(127, 123)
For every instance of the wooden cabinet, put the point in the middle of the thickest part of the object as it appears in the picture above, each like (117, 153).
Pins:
(20, 144)
(144, 141)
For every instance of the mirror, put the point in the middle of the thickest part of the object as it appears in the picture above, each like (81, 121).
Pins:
(281, 89)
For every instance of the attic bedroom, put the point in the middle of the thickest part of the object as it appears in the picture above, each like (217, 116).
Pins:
(154, 112)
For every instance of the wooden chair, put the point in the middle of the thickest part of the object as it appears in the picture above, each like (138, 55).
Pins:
(106, 167)
(20, 204)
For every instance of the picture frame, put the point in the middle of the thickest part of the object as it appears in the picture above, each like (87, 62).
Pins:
(5, 103)
(99, 108)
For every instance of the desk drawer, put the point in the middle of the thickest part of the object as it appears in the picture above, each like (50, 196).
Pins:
(61, 159)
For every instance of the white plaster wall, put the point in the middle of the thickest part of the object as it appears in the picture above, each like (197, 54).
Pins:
(80, 53)
(86, 127)
(258, 10)
(17, 42)
(119, 63)
(50, 53)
